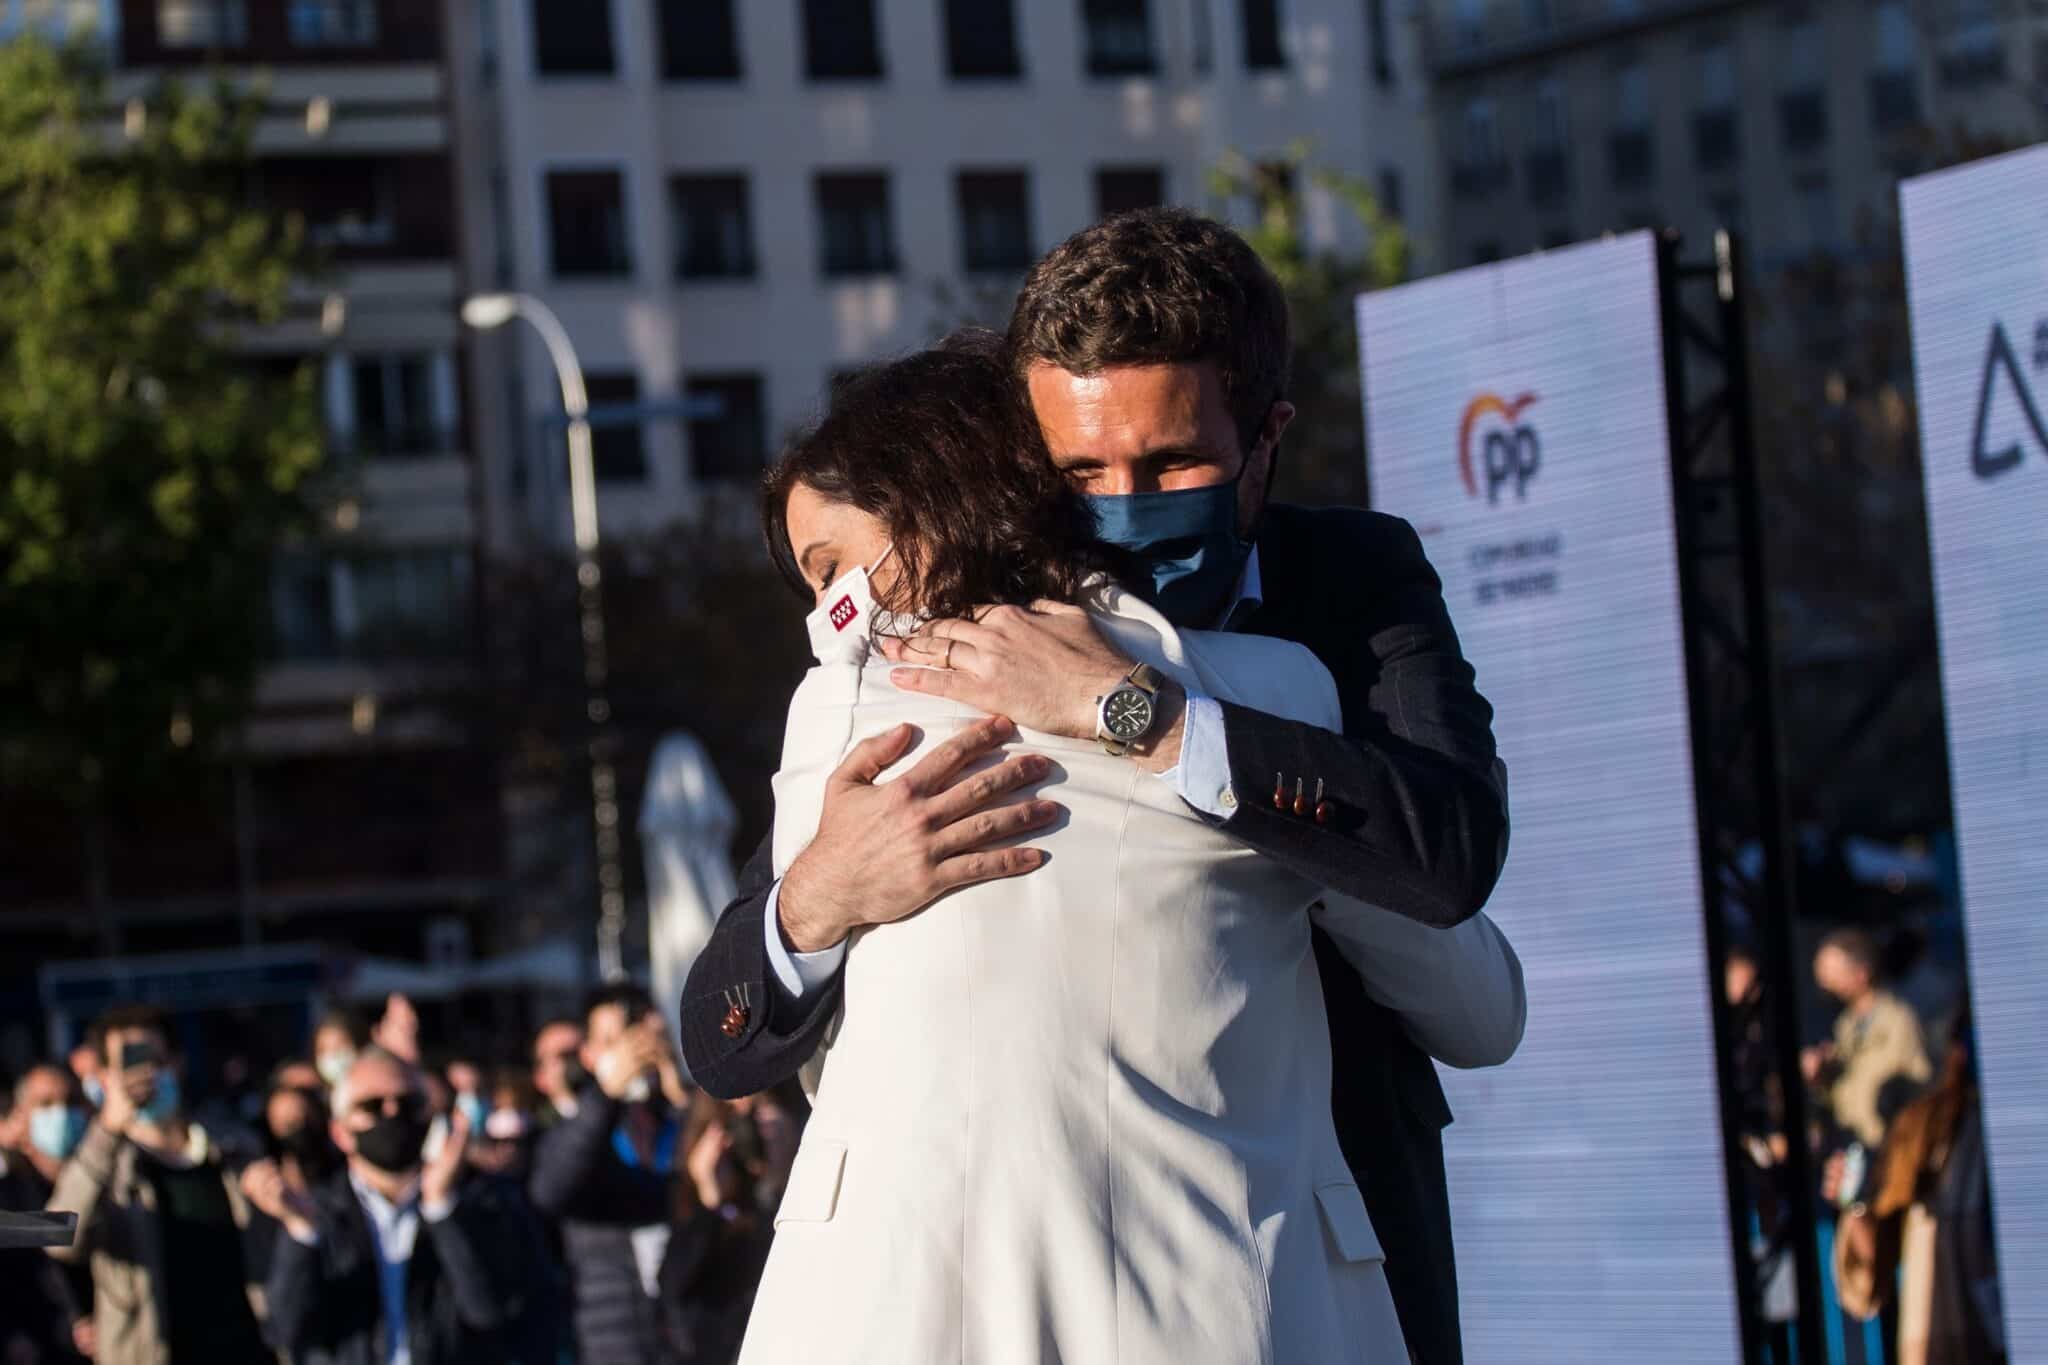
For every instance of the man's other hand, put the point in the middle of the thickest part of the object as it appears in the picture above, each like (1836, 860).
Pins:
(1046, 668)
(884, 852)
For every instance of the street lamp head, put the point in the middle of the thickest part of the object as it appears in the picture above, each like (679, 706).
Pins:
(485, 311)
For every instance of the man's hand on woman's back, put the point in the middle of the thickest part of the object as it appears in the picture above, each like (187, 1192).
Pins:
(885, 851)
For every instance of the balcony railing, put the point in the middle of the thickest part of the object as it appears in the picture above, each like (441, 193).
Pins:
(407, 442)
(1803, 119)
(1894, 101)
(1546, 174)
(277, 33)
(1716, 143)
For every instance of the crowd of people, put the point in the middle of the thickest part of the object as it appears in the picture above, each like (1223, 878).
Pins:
(1898, 1140)
(584, 1204)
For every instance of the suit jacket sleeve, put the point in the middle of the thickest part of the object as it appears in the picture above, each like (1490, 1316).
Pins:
(488, 1256)
(779, 1032)
(1458, 991)
(293, 1289)
(1417, 820)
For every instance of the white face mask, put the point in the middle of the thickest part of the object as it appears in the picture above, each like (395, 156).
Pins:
(841, 626)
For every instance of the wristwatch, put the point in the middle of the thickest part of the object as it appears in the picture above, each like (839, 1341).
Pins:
(1126, 714)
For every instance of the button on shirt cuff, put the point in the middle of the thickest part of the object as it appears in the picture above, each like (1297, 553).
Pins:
(1202, 778)
(798, 972)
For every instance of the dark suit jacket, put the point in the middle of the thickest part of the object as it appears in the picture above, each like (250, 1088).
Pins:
(1417, 824)
(476, 1289)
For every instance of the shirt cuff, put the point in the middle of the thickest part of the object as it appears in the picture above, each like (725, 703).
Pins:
(438, 1211)
(1203, 775)
(798, 972)
(309, 1238)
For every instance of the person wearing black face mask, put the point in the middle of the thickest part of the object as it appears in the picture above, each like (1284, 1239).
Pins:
(396, 1260)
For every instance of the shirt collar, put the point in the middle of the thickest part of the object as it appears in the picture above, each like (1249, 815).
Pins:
(374, 1199)
(1250, 596)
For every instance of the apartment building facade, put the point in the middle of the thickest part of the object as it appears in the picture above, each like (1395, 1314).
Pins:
(1791, 123)
(729, 204)
(361, 809)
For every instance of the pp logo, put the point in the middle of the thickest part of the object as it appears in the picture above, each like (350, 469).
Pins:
(1509, 455)
(842, 613)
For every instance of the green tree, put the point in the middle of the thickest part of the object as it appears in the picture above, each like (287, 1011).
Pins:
(147, 472)
(1323, 456)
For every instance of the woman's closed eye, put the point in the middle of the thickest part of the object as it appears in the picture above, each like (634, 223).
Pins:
(828, 572)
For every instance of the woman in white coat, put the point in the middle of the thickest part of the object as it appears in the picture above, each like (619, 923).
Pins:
(1082, 1115)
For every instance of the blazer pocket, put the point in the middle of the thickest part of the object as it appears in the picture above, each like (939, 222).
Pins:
(1349, 1226)
(813, 1192)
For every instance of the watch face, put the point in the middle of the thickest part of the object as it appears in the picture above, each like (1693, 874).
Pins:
(1127, 713)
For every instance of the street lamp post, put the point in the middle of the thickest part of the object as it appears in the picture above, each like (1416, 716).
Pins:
(483, 312)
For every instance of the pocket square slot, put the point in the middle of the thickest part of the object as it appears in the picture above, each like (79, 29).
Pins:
(1349, 1225)
(813, 1193)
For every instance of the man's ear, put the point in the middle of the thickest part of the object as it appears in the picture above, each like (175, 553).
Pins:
(1256, 486)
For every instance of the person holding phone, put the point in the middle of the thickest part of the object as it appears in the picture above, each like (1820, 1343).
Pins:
(602, 1175)
(160, 1218)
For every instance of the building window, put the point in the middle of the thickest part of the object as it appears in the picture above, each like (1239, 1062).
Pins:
(1469, 20)
(1119, 37)
(841, 40)
(856, 236)
(1716, 141)
(1631, 150)
(333, 23)
(1802, 102)
(371, 605)
(1376, 34)
(1894, 85)
(1120, 189)
(728, 439)
(587, 223)
(981, 39)
(1480, 168)
(699, 40)
(713, 226)
(1390, 191)
(1974, 51)
(616, 452)
(392, 408)
(202, 23)
(1537, 15)
(1201, 40)
(572, 37)
(995, 222)
(1262, 50)
(1548, 169)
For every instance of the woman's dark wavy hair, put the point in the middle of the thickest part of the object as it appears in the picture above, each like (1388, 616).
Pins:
(939, 446)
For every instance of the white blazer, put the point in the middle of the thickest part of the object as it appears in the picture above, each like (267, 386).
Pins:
(1080, 1116)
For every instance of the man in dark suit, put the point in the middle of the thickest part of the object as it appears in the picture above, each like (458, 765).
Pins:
(1154, 348)
(400, 1259)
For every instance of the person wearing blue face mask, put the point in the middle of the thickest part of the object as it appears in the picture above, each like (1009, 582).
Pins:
(1154, 349)
(160, 1219)
(47, 1309)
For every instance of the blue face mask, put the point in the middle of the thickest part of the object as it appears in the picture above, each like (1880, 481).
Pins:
(164, 1102)
(471, 1107)
(95, 1092)
(1185, 539)
(55, 1130)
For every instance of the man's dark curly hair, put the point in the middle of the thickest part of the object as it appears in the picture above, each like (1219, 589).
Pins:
(939, 447)
(1159, 286)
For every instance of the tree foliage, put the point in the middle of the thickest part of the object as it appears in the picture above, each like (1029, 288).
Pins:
(1323, 455)
(147, 473)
